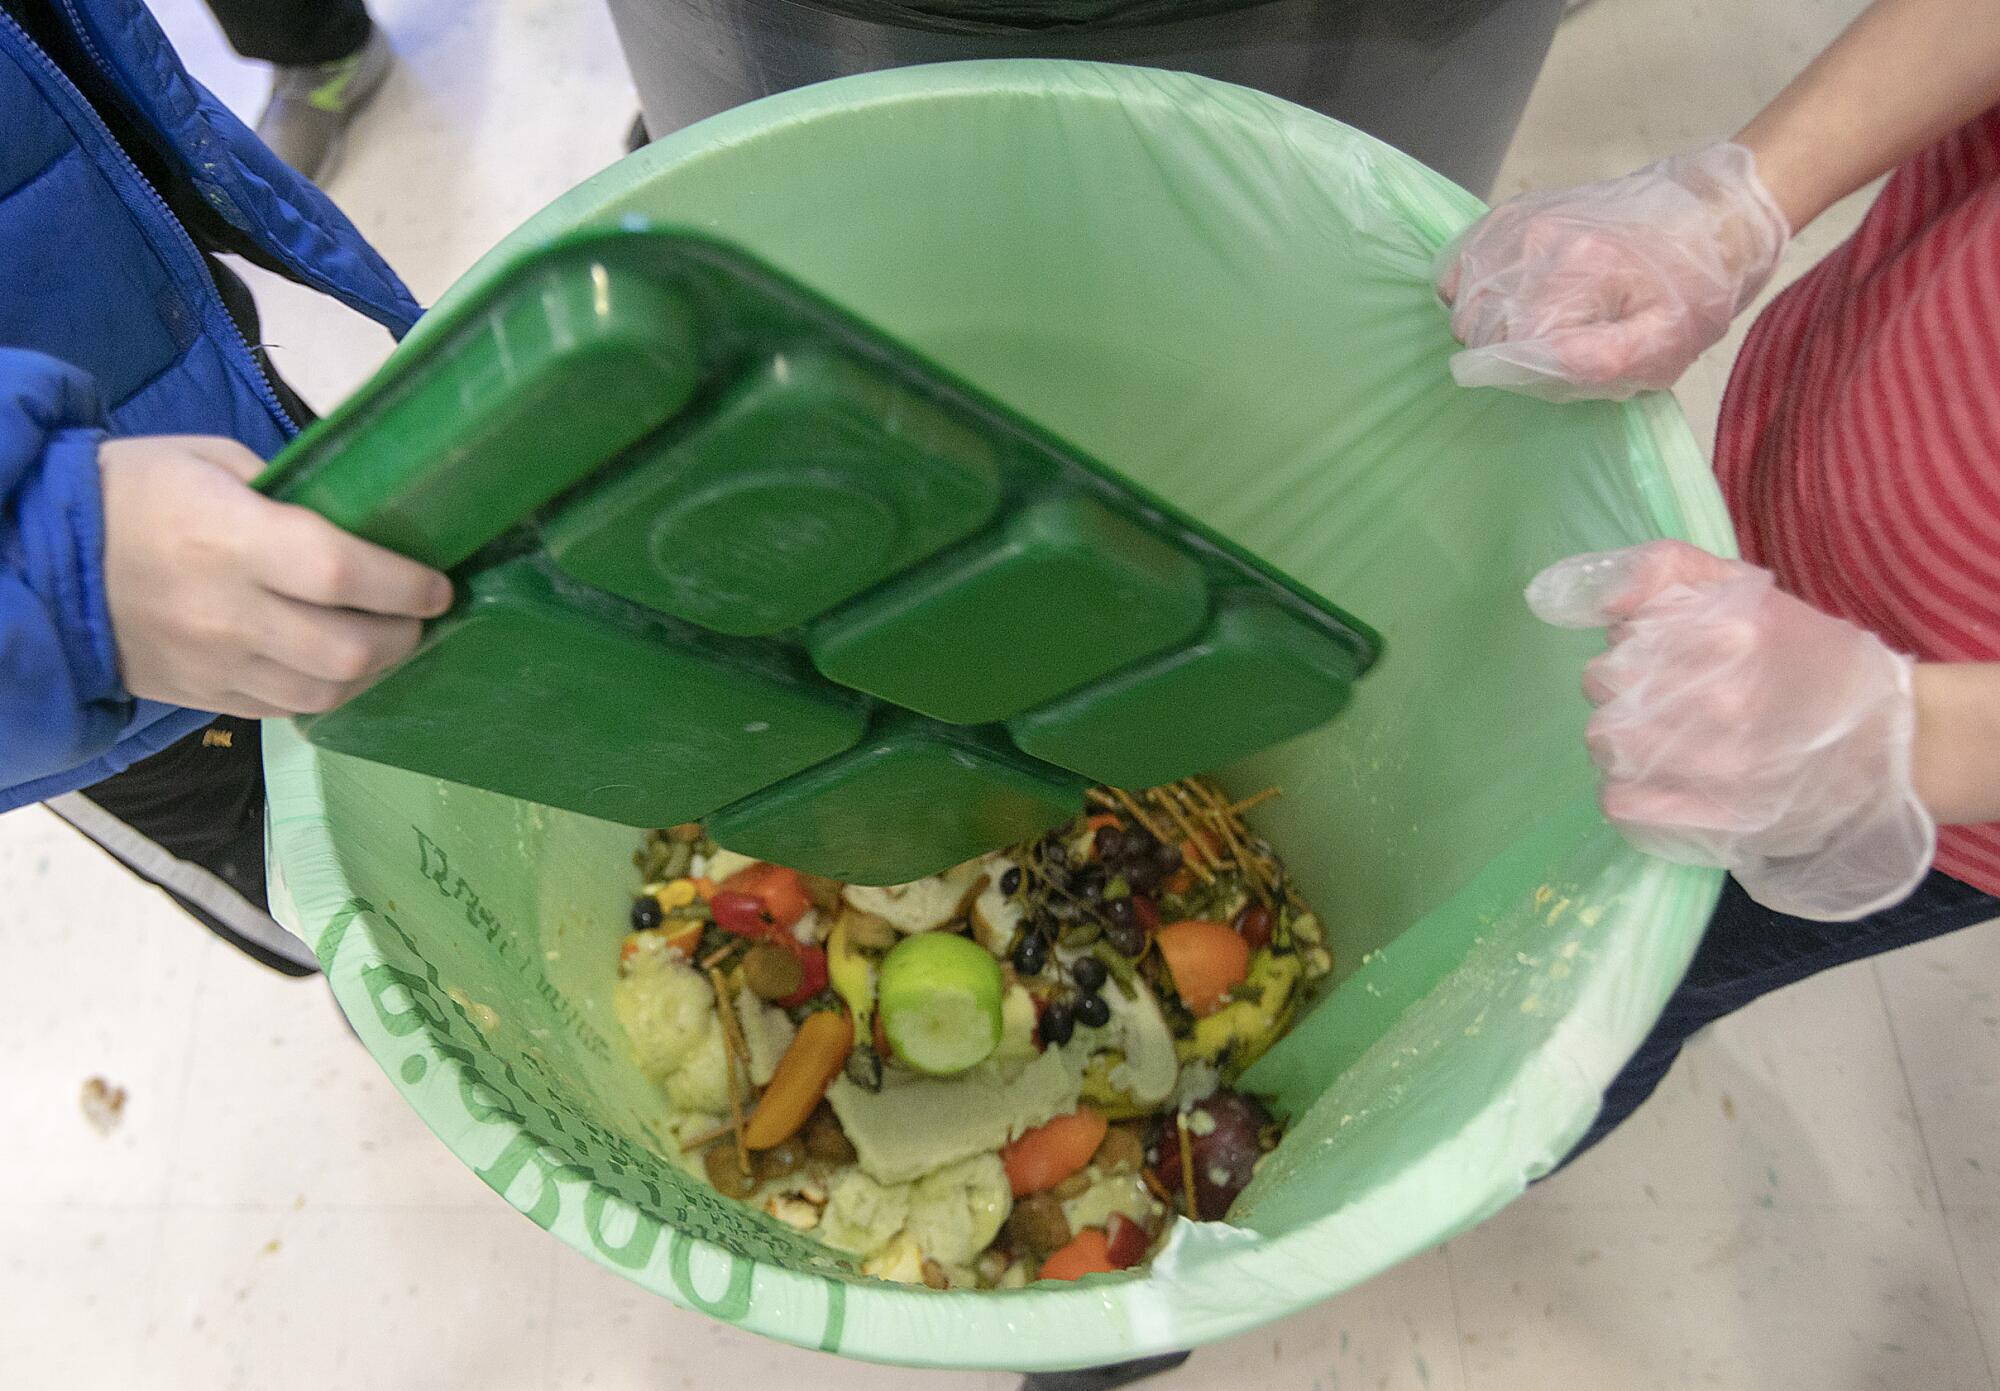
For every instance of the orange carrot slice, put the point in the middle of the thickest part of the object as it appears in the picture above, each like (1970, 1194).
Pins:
(1087, 1253)
(803, 1074)
(1048, 1154)
(1205, 960)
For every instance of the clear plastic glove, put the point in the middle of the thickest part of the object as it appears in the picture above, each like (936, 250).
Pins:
(1736, 726)
(1612, 288)
(222, 599)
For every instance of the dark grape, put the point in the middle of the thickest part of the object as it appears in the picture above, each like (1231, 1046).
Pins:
(646, 913)
(1253, 924)
(1166, 858)
(825, 1140)
(785, 1157)
(1109, 842)
(1010, 882)
(1037, 1224)
(1093, 1011)
(1126, 938)
(1118, 910)
(1088, 973)
(1058, 1022)
(1224, 1156)
(1090, 881)
(1030, 954)
(725, 1172)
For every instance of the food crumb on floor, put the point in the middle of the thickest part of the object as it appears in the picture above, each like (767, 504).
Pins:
(103, 1105)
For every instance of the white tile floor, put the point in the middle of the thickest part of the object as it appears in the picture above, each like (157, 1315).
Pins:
(1813, 1201)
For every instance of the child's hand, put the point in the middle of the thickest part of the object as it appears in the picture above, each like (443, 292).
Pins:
(224, 600)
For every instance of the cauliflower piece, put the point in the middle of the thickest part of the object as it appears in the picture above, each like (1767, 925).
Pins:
(862, 1215)
(956, 1212)
(691, 1125)
(667, 1009)
(796, 1213)
(767, 1032)
(702, 1081)
(901, 1260)
(996, 916)
(924, 904)
(811, 929)
(801, 1185)
(724, 863)
(1109, 1193)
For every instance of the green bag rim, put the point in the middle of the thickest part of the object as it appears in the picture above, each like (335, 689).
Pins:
(1104, 1319)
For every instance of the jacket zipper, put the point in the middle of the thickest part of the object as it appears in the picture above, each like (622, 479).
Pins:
(265, 389)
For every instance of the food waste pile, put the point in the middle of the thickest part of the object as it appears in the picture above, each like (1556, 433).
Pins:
(1020, 1069)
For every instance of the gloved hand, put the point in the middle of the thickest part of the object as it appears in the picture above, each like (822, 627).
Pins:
(1607, 289)
(1737, 726)
(222, 599)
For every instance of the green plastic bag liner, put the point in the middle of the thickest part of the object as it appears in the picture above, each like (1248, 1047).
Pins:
(1228, 299)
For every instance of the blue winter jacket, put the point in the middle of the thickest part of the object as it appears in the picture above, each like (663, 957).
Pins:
(110, 322)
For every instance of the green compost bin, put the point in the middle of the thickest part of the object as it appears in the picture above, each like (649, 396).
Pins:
(1228, 298)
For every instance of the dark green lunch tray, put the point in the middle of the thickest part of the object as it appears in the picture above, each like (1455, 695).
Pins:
(725, 553)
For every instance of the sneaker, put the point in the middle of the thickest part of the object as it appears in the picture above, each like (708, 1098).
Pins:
(311, 106)
(201, 892)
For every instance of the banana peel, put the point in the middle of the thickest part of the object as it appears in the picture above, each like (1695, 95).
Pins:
(1136, 1049)
(1239, 1033)
(1106, 1099)
(852, 975)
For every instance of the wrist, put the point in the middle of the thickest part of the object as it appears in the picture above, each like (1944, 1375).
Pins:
(1955, 755)
(72, 484)
(1797, 181)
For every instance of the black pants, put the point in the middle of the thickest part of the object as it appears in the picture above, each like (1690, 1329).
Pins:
(293, 33)
(190, 819)
(1749, 951)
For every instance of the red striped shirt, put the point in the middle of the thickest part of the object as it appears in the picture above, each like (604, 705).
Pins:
(1859, 444)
